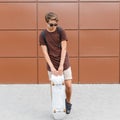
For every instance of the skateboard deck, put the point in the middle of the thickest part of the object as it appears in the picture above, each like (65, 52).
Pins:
(58, 97)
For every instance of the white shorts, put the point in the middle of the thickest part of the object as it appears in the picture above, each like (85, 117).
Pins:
(67, 74)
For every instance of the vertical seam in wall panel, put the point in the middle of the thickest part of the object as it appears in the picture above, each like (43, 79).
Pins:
(119, 43)
(78, 42)
(37, 42)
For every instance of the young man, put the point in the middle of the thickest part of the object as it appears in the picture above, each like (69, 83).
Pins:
(54, 45)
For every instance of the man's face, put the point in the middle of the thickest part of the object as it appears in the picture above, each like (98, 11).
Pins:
(52, 24)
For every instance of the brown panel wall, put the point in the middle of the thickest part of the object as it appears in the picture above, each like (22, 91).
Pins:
(74, 66)
(43, 74)
(99, 70)
(99, 43)
(18, 15)
(93, 31)
(18, 70)
(18, 44)
(99, 16)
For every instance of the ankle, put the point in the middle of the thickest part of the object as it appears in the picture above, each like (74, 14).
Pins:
(68, 101)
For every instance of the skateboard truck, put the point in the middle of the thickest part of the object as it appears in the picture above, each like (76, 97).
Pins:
(59, 110)
(64, 110)
(54, 111)
(53, 84)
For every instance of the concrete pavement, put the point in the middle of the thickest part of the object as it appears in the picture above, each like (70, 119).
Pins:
(33, 102)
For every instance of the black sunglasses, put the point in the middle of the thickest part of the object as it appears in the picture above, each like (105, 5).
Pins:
(51, 24)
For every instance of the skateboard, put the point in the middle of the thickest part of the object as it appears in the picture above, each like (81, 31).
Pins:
(58, 97)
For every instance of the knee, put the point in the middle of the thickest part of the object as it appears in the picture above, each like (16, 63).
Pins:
(68, 86)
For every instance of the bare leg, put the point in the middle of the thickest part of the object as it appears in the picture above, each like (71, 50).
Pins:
(68, 84)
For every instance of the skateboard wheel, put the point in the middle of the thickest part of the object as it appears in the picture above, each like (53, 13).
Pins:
(52, 84)
(64, 110)
(54, 111)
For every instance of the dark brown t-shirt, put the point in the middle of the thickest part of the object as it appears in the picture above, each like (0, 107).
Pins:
(53, 41)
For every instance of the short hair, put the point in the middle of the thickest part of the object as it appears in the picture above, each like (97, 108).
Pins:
(51, 16)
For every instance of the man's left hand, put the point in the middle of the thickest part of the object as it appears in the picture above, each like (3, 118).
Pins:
(60, 70)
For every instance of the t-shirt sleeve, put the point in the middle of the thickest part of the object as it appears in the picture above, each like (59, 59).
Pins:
(41, 39)
(63, 35)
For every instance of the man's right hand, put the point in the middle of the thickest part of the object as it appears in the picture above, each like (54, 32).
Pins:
(54, 71)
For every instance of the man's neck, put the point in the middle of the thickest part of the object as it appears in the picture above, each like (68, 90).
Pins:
(51, 30)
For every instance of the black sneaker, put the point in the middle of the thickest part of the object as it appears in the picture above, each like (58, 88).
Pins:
(68, 107)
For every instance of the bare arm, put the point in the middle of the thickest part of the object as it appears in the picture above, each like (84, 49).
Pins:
(47, 58)
(63, 54)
